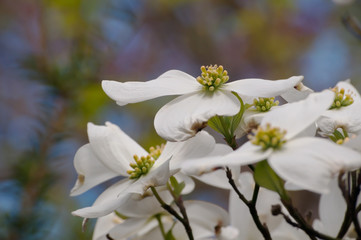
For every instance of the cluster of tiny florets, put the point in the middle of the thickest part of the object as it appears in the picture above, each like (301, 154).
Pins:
(341, 99)
(155, 152)
(264, 104)
(212, 77)
(143, 164)
(270, 137)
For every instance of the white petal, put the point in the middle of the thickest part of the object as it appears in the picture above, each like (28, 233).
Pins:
(354, 143)
(107, 202)
(204, 217)
(128, 228)
(200, 145)
(248, 153)
(297, 93)
(312, 163)
(90, 169)
(104, 224)
(332, 219)
(113, 147)
(262, 88)
(296, 117)
(157, 176)
(287, 232)
(172, 82)
(229, 233)
(216, 178)
(183, 117)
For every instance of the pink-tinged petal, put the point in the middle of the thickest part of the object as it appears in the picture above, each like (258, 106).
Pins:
(296, 117)
(186, 115)
(312, 163)
(113, 147)
(172, 82)
(262, 88)
(91, 171)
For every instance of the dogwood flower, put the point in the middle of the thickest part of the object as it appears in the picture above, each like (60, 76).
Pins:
(207, 220)
(307, 162)
(202, 97)
(345, 112)
(111, 153)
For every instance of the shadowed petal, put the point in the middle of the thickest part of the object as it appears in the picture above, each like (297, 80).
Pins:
(297, 116)
(113, 147)
(312, 163)
(90, 169)
(186, 115)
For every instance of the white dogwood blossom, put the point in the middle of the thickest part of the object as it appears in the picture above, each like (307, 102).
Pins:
(201, 98)
(208, 221)
(345, 112)
(307, 162)
(111, 153)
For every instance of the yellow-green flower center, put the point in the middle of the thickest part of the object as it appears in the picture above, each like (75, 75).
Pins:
(341, 99)
(264, 104)
(270, 137)
(212, 77)
(143, 164)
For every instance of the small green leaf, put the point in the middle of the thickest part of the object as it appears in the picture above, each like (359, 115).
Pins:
(267, 178)
(169, 235)
(216, 124)
(177, 187)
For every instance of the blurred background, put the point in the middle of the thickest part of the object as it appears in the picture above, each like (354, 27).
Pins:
(54, 54)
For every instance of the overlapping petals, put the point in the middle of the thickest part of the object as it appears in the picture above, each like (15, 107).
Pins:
(183, 117)
(347, 117)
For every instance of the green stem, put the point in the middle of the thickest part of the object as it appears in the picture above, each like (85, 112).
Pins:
(158, 217)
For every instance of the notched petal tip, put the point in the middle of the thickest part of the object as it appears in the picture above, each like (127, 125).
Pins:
(198, 126)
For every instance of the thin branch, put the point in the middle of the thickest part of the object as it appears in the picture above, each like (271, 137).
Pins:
(262, 227)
